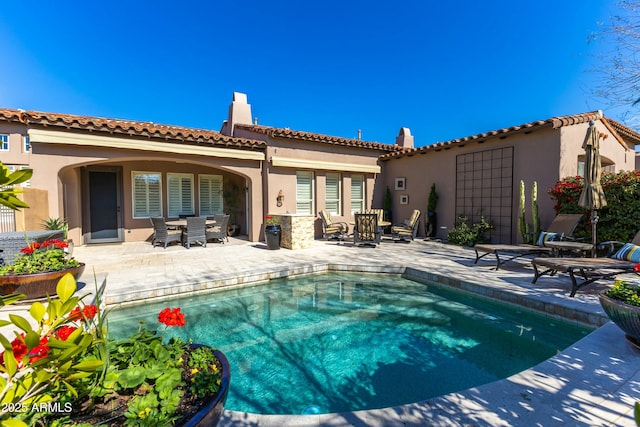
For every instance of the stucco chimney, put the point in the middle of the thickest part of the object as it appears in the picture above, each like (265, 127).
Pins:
(239, 113)
(404, 138)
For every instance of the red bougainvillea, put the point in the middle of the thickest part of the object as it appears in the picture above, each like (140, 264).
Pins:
(619, 220)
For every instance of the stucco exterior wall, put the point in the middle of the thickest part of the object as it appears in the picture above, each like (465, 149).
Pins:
(57, 172)
(611, 149)
(278, 178)
(544, 156)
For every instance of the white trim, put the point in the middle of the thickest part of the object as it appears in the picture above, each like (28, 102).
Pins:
(290, 162)
(57, 137)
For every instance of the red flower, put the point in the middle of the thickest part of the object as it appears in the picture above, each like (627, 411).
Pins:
(19, 348)
(637, 268)
(64, 332)
(172, 317)
(29, 249)
(56, 243)
(40, 351)
(87, 312)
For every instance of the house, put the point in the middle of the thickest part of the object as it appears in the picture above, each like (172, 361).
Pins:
(108, 176)
(480, 174)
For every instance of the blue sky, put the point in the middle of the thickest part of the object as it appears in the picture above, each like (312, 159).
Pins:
(443, 69)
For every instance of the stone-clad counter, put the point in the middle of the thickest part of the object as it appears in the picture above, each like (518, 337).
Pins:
(297, 230)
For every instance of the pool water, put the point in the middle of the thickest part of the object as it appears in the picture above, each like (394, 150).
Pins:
(341, 342)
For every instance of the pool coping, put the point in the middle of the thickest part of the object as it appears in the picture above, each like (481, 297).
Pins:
(545, 304)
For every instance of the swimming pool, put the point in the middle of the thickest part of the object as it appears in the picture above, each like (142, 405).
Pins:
(339, 342)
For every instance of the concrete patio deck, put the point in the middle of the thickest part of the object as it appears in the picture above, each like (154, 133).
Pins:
(593, 383)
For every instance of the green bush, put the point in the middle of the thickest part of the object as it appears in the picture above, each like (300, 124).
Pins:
(619, 220)
(465, 235)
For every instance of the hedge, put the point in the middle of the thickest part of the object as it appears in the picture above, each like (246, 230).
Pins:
(619, 220)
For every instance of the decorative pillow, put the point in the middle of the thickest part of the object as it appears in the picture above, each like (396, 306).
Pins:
(545, 236)
(629, 252)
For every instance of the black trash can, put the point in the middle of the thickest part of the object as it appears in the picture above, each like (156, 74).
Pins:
(272, 234)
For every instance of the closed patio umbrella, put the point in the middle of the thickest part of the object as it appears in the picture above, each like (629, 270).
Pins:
(592, 196)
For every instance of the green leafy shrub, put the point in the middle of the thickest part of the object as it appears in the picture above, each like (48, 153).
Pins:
(624, 292)
(468, 235)
(40, 258)
(8, 194)
(63, 362)
(619, 220)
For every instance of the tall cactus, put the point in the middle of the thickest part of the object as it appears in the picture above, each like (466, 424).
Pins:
(534, 209)
(523, 227)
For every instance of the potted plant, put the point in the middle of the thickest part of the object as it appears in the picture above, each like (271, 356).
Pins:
(232, 200)
(272, 232)
(62, 225)
(36, 271)
(61, 368)
(621, 303)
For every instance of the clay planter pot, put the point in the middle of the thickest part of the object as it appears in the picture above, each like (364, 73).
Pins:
(211, 411)
(206, 414)
(625, 316)
(37, 285)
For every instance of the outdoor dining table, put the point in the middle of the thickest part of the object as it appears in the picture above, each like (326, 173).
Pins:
(182, 223)
(380, 223)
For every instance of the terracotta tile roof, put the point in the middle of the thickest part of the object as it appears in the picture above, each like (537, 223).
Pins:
(316, 137)
(118, 127)
(554, 123)
(627, 134)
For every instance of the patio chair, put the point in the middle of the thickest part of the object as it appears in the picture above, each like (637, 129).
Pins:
(366, 231)
(161, 234)
(584, 271)
(332, 229)
(561, 227)
(219, 230)
(408, 229)
(196, 231)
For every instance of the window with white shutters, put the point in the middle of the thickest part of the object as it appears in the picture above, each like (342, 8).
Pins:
(304, 192)
(180, 194)
(332, 191)
(147, 194)
(357, 193)
(210, 193)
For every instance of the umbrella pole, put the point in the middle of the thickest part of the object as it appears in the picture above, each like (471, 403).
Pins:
(594, 225)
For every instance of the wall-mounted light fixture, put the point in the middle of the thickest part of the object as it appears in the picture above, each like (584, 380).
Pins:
(280, 198)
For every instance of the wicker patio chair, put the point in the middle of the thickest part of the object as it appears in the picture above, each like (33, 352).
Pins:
(196, 231)
(219, 230)
(161, 234)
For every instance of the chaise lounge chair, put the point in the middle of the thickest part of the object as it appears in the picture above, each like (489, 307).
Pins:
(561, 227)
(589, 270)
